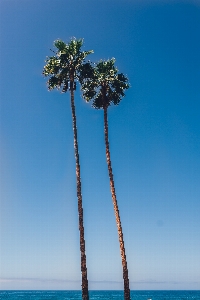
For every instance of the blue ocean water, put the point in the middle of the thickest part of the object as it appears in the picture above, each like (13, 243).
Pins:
(104, 295)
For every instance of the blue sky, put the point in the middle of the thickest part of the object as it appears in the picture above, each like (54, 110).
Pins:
(154, 139)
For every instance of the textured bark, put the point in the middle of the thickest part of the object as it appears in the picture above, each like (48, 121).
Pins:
(85, 294)
(117, 216)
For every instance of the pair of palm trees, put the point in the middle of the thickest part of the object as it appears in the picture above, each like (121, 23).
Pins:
(103, 84)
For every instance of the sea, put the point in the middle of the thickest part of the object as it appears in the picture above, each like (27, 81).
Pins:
(104, 295)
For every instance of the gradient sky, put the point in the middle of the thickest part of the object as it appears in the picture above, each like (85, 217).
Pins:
(154, 138)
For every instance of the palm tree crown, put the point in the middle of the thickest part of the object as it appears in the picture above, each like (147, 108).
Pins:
(103, 84)
(65, 65)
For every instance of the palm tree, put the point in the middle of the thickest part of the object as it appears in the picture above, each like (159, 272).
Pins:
(105, 86)
(63, 69)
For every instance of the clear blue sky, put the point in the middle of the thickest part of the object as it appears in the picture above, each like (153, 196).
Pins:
(154, 140)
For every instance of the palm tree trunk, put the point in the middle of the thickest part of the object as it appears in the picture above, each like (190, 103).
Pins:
(85, 294)
(119, 227)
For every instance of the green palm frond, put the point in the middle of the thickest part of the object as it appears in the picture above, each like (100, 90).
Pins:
(68, 62)
(103, 84)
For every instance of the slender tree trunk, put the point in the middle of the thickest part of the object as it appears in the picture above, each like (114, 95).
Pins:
(114, 199)
(85, 294)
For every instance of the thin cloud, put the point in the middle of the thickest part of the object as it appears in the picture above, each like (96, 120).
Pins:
(36, 280)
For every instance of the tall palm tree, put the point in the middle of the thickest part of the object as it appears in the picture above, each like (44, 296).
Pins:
(105, 86)
(63, 69)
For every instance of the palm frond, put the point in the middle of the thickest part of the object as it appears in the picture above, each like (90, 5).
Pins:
(67, 62)
(103, 84)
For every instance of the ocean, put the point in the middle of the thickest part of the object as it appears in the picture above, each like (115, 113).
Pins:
(104, 295)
